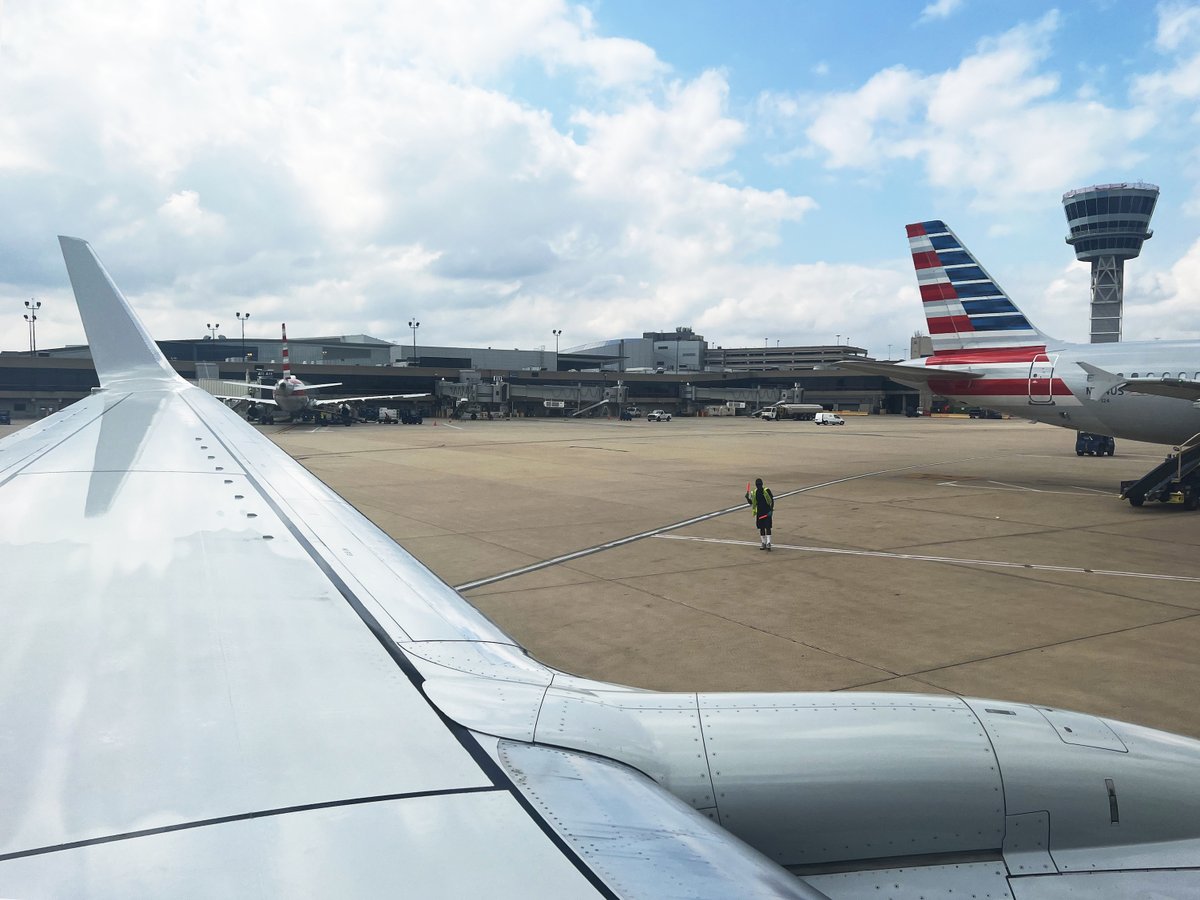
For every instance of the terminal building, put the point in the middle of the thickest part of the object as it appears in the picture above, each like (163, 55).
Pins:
(675, 370)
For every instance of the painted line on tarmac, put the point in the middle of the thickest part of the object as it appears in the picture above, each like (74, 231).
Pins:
(915, 557)
(1006, 486)
(655, 532)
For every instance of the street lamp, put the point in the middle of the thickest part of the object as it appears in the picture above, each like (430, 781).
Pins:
(556, 332)
(242, 321)
(31, 318)
(414, 325)
(212, 330)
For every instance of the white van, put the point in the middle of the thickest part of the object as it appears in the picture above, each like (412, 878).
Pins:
(828, 418)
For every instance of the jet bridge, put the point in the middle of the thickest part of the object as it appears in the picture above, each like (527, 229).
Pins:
(1175, 480)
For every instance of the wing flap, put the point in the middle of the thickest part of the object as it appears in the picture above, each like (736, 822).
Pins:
(639, 838)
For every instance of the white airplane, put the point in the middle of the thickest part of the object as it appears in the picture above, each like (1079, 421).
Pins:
(219, 679)
(987, 353)
(293, 397)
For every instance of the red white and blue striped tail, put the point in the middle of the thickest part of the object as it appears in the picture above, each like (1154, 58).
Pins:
(964, 306)
(287, 363)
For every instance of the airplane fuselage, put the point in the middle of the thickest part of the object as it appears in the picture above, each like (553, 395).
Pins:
(291, 395)
(1046, 384)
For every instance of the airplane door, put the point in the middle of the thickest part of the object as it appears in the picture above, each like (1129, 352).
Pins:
(1041, 378)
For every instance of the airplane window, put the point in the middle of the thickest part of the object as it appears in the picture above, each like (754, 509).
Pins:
(1134, 375)
(1182, 375)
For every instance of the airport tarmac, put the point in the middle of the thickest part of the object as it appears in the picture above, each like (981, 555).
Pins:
(974, 557)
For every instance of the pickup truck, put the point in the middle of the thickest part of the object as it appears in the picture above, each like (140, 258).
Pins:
(659, 415)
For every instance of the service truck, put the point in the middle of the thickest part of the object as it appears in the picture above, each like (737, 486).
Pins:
(803, 411)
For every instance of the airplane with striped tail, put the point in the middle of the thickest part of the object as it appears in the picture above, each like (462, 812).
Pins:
(987, 352)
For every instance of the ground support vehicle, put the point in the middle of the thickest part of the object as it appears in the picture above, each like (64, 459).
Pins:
(1094, 444)
(1176, 480)
(659, 415)
(801, 412)
(408, 417)
(828, 418)
(388, 416)
(979, 412)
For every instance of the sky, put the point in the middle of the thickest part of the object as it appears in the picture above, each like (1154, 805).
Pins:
(500, 171)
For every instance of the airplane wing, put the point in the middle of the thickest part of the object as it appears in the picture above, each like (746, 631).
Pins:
(206, 689)
(219, 679)
(264, 400)
(1177, 388)
(332, 400)
(315, 387)
(914, 375)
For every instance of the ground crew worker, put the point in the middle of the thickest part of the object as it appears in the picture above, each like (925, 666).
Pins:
(763, 504)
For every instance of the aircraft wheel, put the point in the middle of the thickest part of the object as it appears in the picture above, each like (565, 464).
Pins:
(1136, 500)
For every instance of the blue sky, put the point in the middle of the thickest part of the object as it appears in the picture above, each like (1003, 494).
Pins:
(605, 168)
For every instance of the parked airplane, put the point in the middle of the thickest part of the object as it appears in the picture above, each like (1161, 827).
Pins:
(220, 679)
(293, 397)
(986, 352)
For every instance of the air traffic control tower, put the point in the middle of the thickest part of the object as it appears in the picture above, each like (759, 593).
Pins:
(1108, 223)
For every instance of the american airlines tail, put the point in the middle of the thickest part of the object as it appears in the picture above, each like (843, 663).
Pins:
(287, 365)
(964, 306)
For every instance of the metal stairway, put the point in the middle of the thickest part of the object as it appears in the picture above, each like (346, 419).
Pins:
(1175, 480)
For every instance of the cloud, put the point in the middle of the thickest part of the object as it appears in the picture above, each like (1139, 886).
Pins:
(1178, 26)
(970, 126)
(362, 163)
(940, 9)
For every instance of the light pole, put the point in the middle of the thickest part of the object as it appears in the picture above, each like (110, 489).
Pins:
(212, 330)
(31, 318)
(557, 332)
(242, 321)
(414, 325)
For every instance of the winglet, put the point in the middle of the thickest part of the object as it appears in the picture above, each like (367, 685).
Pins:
(122, 350)
(1102, 381)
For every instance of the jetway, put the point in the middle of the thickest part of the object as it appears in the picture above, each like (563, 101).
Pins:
(754, 397)
(501, 395)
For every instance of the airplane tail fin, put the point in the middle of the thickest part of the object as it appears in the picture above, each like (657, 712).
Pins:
(122, 350)
(964, 306)
(287, 365)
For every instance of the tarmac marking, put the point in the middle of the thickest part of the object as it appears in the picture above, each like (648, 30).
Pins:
(655, 532)
(915, 557)
(1006, 486)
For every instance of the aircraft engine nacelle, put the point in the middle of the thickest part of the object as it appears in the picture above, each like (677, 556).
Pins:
(848, 785)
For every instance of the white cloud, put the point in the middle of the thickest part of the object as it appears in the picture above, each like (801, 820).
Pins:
(359, 163)
(1166, 303)
(1178, 25)
(993, 124)
(940, 9)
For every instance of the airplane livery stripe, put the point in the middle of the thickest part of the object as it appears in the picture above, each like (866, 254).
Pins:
(925, 259)
(1000, 387)
(963, 305)
(949, 324)
(984, 357)
(942, 290)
